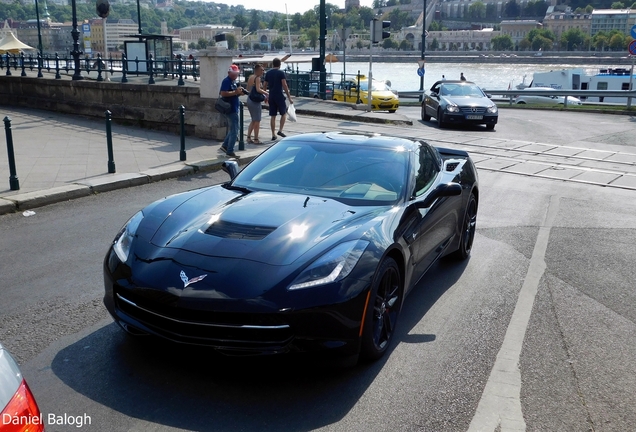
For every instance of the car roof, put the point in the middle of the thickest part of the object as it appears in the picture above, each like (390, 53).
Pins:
(372, 140)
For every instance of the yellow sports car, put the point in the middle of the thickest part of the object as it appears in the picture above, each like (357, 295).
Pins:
(382, 97)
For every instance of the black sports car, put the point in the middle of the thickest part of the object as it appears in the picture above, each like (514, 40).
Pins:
(454, 102)
(312, 246)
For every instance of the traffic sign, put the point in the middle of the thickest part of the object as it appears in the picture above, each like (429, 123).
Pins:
(420, 72)
(421, 63)
(633, 32)
(632, 47)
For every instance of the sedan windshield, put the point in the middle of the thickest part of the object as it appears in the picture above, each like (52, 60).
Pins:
(377, 86)
(468, 90)
(353, 173)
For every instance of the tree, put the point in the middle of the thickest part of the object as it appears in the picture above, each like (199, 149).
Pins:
(435, 44)
(502, 43)
(377, 4)
(366, 14)
(491, 11)
(301, 43)
(312, 35)
(600, 41)
(573, 39)
(511, 9)
(477, 10)
(405, 45)
(278, 43)
(255, 22)
(618, 5)
(389, 43)
(203, 43)
(617, 42)
(525, 44)
(231, 41)
(359, 44)
(541, 43)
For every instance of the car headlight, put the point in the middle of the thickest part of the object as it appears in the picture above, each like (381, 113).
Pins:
(452, 108)
(124, 239)
(492, 109)
(333, 266)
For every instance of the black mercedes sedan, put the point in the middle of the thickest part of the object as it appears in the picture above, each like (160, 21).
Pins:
(313, 246)
(459, 102)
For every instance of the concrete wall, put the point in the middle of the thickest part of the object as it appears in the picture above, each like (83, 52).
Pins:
(150, 106)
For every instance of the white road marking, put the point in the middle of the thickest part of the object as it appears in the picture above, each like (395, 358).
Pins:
(500, 403)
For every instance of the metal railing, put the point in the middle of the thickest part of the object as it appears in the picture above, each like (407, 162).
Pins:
(178, 68)
(512, 94)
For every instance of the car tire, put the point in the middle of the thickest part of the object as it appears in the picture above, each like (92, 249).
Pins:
(382, 310)
(521, 103)
(425, 117)
(490, 126)
(440, 122)
(392, 111)
(468, 228)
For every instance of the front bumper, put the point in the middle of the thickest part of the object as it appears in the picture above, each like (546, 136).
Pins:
(468, 118)
(234, 327)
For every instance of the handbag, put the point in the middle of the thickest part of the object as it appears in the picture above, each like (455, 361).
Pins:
(255, 96)
(223, 106)
(291, 113)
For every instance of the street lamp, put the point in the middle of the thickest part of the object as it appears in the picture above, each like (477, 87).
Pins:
(37, 16)
(423, 49)
(76, 52)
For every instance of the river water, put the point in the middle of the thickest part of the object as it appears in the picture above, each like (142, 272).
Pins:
(404, 77)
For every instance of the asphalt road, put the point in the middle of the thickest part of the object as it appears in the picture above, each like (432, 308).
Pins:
(558, 253)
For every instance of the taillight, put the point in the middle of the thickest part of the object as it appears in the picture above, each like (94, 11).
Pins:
(22, 413)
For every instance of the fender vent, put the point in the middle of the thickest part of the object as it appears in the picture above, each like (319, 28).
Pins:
(232, 230)
(451, 166)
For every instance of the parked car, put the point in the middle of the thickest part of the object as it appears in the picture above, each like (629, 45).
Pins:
(18, 409)
(314, 90)
(382, 97)
(459, 102)
(544, 99)
(313, 246)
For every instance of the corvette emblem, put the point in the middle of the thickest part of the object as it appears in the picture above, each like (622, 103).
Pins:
(187, 281)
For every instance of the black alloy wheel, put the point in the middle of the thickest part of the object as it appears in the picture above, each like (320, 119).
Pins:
(383, 310)
(440, 122)
(468, 230)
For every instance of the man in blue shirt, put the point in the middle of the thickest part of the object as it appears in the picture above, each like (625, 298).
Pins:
(275, 83)
(231, 92)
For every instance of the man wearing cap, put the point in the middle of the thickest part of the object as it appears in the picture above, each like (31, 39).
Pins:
(231, 92)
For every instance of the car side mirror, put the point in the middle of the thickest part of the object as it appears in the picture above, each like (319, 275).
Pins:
(443, 190)
(231, 168)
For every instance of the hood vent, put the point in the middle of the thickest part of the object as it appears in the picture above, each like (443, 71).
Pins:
(451, 166)
(232, 230)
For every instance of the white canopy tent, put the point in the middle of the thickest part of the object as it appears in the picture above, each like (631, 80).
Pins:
(12, 45)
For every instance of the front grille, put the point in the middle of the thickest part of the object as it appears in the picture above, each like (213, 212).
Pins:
(245, 331)
(473, 110)
(233, 230)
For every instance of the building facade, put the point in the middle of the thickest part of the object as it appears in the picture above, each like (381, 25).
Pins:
(606, 20)
(518, 29)
(560, 22)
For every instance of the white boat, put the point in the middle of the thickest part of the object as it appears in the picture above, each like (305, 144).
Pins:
(579, 79)
(522, 84)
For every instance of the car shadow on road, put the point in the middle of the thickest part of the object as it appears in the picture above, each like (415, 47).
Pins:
(193, 388)
(458, 127)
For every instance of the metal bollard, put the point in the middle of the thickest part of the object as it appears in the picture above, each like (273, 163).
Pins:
(109, 143)
(14, 183)
(182, 153)
(241, 142)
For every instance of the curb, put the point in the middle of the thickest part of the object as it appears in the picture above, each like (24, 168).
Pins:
(86, 187)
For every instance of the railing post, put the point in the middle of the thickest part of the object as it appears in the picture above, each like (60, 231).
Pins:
(99, 68)
(22, 64)
(151, 80)
(109, 143)
(40, 65)
(182, 152)
(194, 70)
(241, 142)
(124, 68)
(180, 82)
(57, 67)
(14, 183)
(6, 57)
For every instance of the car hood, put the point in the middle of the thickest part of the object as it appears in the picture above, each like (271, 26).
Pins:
(268, 227)
(468, 101)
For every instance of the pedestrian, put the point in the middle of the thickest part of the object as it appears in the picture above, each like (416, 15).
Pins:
(462, 77)
(255, 106)
(443, 78)
(276, 83)
(231, 92)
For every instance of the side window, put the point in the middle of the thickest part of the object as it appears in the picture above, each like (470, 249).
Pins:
(427, 170)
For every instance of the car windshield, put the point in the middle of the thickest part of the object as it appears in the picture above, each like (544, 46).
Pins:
(377, 86)
(355, 174)
(468, 90)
